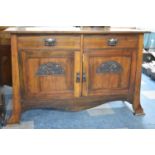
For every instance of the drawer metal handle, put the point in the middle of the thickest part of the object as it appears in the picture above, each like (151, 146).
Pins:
(77, 77)
(50, 42)
(112, 42)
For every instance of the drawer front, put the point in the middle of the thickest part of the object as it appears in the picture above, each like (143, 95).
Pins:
(110, 41)
(49, 41)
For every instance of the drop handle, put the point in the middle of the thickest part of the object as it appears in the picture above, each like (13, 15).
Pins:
(77, 77)
(84, 77)
(49, 42)
(112, 42)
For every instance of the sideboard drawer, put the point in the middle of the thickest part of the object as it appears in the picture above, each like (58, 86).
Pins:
(110, 41)
(49, 41)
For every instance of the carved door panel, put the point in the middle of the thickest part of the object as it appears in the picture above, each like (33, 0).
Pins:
(47, 74)
(108, 71)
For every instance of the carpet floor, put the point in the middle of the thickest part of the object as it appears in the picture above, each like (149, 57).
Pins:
(113, 115)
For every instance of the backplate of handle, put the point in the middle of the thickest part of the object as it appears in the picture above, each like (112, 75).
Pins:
(112, 42)
(77, 77)
(49, 42)
(84, 77)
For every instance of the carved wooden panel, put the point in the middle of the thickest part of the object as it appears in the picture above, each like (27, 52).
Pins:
(108, 71)
(109, 67)
(47, 74)
(50, 68)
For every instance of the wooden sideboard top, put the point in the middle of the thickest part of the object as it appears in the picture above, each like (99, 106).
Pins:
(71, 30)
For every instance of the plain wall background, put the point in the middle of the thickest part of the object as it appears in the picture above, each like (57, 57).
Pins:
(135, 13)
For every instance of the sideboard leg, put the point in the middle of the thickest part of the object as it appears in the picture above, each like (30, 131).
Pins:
(15, 118)
(138, 110)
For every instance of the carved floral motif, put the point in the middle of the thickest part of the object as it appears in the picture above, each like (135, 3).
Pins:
(50, 68)
(109, 67)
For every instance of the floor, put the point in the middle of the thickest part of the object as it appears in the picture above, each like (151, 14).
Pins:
(113, 115)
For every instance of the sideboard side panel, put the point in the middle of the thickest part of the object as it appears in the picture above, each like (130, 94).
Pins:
(136, 95)
(15, 80)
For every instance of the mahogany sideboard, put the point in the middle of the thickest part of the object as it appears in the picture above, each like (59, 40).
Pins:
(75, 69)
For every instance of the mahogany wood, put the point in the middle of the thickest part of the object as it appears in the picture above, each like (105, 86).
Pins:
(80, 71)
(15, 118)
(38, 41)
(100, 41)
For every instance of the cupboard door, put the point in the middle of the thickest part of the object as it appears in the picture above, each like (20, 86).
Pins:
(48, 74)
(108, 71)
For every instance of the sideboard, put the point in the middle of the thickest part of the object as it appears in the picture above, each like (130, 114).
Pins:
(75, 69)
